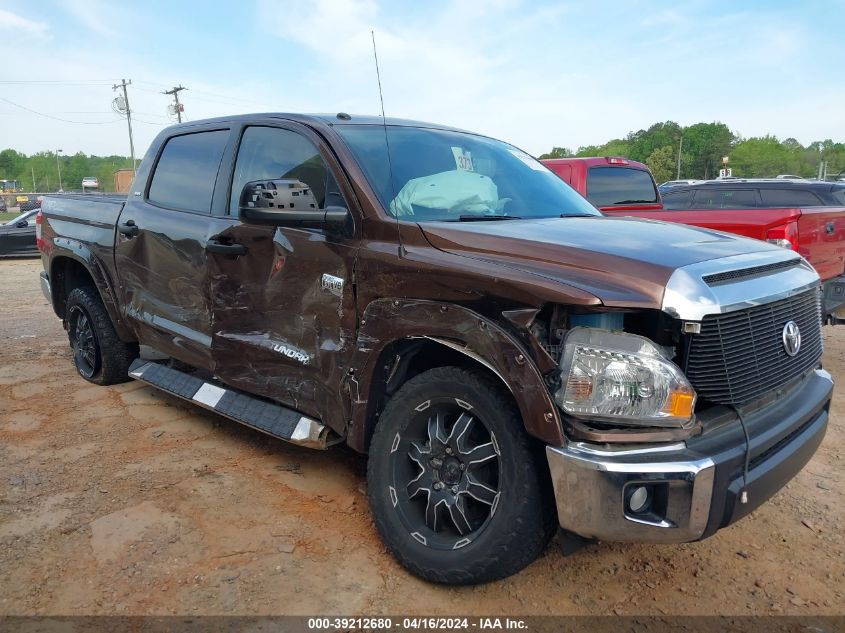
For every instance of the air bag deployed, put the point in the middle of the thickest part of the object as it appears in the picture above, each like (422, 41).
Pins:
(454, 191)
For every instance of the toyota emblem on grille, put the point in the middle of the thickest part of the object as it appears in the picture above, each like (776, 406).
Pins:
(791, 338)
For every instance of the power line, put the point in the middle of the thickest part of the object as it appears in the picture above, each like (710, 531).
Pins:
(59, 82)
(56, 118)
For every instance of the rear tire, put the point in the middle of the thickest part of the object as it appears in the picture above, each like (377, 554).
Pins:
(455, 485)
(98, 353)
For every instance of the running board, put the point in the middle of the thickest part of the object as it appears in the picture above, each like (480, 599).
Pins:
(269, 418)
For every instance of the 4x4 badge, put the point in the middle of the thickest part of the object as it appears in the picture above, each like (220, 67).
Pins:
(791, 338)
(333, 284)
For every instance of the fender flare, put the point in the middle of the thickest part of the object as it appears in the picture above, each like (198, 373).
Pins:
(386, 321)
(65, 248)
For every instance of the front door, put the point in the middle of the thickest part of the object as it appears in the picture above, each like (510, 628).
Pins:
(160, 251)
(283, 313)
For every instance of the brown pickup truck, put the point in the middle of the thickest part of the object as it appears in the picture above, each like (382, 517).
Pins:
(509, 358)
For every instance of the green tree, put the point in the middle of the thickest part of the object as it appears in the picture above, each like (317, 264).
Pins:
(704, 146)
(11, 163)
(645, 142)
(557, 152)
(661, 162)
(764, 157)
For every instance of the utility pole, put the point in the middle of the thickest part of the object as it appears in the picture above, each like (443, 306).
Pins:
(123, 83)
(680, 147)
(59, 168)
(177, 106)
(33, 178)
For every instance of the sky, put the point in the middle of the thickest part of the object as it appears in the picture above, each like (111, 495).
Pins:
(537, 74)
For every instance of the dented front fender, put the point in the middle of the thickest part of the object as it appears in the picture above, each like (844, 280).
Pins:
(386, 321)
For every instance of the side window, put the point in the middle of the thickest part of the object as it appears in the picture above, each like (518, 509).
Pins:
(838, 194)
(789, 198)
(187, 170)
(677, 199)
(268, 153)
(719, 198)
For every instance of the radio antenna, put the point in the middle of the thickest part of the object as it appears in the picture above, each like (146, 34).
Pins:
(386, 141)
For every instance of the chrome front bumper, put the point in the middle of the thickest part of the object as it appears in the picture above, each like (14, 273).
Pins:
(698, 486)
(591, 486)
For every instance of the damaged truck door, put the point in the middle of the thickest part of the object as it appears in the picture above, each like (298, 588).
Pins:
(283, 311)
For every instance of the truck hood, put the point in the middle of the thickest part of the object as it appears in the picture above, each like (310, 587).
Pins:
(624, 262)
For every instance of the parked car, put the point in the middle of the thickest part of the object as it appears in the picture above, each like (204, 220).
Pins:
(508, 357)
(17, 236)
(611, 183)
(3, 207)
(803, 215)
(90, 182)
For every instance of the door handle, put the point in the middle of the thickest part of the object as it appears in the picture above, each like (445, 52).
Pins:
(128, 229)
(213, 246)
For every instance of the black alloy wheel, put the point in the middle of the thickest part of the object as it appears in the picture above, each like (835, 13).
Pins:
(458, 491)
(448, 487)
(83, 342)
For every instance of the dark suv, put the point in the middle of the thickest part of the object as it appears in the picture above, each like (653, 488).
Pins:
(754, 194)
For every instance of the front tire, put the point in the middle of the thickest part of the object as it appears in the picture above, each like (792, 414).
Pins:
(98, 353)
(454, 483)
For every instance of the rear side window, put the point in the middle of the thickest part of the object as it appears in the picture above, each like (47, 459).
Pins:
(789, 198)
(718, 198)
(608, 186)
(838, 194)
(186, 172)
(677, 199)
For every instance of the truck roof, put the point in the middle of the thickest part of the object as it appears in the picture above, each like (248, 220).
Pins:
(593, 161)
(768, 183)
(340, 118)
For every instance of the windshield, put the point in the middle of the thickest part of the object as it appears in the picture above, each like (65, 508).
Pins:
(440, 175)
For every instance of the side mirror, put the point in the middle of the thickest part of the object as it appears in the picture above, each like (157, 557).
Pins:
(287, 202)
(22, 224)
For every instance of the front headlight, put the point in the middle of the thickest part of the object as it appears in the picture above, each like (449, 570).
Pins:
(622, 378)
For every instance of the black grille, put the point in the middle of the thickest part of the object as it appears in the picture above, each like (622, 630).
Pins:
(739, 356)
(733, 275)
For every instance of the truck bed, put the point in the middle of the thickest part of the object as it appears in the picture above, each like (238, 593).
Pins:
(88, 218)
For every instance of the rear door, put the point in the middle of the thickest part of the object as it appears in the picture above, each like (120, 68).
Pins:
(160, 245)
(283, 313)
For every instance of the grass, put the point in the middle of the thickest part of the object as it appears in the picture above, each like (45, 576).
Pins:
(5, 217)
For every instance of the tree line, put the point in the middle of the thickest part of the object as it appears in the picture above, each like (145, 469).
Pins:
(40, 172)
(702, 147)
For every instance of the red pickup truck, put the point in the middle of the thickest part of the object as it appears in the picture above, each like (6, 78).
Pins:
(611, 183)
(805, 216)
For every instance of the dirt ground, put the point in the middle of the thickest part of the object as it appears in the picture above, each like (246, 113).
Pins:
(120, 500)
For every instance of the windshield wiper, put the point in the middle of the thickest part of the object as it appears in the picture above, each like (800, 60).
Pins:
(579, 215)
(484, 218)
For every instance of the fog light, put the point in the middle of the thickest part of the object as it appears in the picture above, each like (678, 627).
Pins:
(638, 499)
